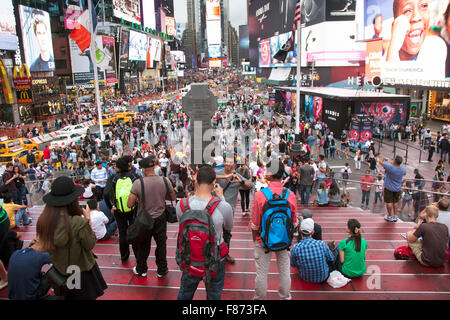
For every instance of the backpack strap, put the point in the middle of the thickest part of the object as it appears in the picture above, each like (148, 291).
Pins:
(267, 193)
(212, 205)
(184, 205)
(285, 193)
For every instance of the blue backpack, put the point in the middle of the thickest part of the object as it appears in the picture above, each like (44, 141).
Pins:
(277, 230)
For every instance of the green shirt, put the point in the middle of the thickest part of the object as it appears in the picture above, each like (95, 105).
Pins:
(354, 264)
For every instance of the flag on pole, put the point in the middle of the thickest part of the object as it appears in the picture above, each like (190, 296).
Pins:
(289, 45)
(81, 32)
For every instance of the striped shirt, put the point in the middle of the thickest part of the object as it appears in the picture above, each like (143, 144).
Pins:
(310, 257)
(99, 177)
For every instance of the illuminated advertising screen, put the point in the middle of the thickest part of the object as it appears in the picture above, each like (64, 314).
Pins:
(148, 13)
(129, 10)
(106, 44)
(412, 50)
(215, 63)
(8, 37)
(243, 42)
(214, 51)
(269, 47)
(82, 66)
(171, 27)
(156, 47)
(71, 17)
(317, 108)
(213, 32)
(212, 10)
(37, 39)
(138, 46)
(178, 56)
(384, 112)
(124, 46)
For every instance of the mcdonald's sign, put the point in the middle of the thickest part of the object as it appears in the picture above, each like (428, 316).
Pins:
(6, 84)
(24, 96)
(22, 77)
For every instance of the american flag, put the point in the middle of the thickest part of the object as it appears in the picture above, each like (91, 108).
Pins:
(289, 45)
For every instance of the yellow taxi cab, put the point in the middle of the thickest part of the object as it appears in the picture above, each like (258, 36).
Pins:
(6, 144)
(125, 116)
(21, 154)
(108, 119)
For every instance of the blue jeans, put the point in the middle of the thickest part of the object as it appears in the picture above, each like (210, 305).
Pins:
(21, 215)
(304, 193)
(110, 229)
(378, 196)
(365, 197)
(189, 285)
(332, 152)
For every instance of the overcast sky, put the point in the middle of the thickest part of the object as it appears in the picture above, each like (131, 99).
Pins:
(238, 12)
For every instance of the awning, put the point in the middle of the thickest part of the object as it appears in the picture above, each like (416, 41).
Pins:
(279, 76)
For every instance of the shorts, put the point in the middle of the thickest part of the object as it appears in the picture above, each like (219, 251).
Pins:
(391, 196)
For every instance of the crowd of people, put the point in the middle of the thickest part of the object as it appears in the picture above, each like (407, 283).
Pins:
(145, 163)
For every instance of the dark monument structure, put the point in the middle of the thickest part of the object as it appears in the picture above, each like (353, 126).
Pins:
(199, 104)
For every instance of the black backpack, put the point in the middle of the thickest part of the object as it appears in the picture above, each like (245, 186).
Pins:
(345, 174)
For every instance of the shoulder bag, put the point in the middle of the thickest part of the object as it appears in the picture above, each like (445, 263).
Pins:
(143, 223)
(170, 211)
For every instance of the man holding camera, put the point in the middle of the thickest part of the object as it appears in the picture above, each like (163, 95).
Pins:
(230, 181)
(392, 186)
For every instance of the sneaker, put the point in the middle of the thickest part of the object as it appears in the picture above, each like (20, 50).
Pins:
(403, 235)
(362, 206)
(142, 275)
(229, 259)
(161, 275)
(394, 219)
(388, 218)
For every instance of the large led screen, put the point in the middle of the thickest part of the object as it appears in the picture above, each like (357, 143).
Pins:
(384, 112)
(148, 12)
(412, 49)
(129, 10)
(178, 56)
(213, 32)
(8, 38)
(37, 39)
(171, 27)
(214, 51)
(138, 46)
(212, 10)
(82, 66)
(124, 47)
(269, 47)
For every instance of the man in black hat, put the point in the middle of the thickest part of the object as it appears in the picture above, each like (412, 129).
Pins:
(155, 202)
(124, 219)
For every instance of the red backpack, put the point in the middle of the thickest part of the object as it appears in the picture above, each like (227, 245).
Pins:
(198, 252)
(404, 253)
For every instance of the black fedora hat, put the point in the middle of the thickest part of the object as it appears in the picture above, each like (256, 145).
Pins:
(63, 192)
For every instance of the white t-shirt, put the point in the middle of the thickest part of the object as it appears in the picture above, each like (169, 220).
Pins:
(319, 173)
(254, 168)
(98, 221)
(88, 192)
(163, 162)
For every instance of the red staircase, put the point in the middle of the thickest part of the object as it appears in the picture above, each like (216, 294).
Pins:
(386, 278)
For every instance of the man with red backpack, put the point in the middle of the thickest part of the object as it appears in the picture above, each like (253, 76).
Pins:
(201, 249)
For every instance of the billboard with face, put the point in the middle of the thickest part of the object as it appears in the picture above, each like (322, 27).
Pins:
(8, 38)
(37, 39)
(384, 112)
(129, 10)
(106, 44)
(138, 46)
(411, 49)
(124, 46)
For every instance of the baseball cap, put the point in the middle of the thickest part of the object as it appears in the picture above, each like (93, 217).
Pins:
(148, 162)
(306, 213)
(307, 226)
(98, 162)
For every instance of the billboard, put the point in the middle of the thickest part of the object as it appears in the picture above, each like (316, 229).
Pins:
(8, 37)
(384, 112)
(313, 12)
(214, 51)
(309, 106)
(82, 66)
(129, 10)
(156, 47)
(213, 32)
(411, 49)
(106, 44)
(335, 115)
(138, 46)
(374, 55)
(71, 17)
(124, 46)
(215, 63)
(171, 27)
(340, 10)
(37, 39)
(269, 47)
(264, 54)
(178, 56)
(148, 14)
(243, 42)
(212, 10)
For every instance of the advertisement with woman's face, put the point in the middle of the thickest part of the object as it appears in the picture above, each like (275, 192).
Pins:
(411, 49)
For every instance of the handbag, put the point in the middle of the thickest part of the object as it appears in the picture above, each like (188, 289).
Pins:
(57, 280)
(143, 223)
(170, 211)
